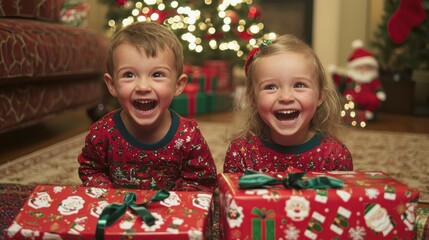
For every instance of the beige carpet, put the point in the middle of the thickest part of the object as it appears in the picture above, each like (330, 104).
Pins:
(401, 155)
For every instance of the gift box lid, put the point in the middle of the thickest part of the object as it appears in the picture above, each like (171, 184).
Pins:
(351, 180)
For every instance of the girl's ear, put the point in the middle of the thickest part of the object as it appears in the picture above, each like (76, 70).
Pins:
(180, 84)
(110, 84)
(322, 97)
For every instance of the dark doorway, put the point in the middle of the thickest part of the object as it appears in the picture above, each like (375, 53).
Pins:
(289, 17)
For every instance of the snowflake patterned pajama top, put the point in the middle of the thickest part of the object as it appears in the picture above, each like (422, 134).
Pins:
(112, 157)
(320, 153)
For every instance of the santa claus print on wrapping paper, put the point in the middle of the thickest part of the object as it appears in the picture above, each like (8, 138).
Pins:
(172, 200)
(202, 200)
(377, 219)
(297, 208)
(361, 83)
(71, 205)
(41, 200)
(96, 192)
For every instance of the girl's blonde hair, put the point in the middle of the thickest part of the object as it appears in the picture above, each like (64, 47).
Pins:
(327, 117)
(150, 37)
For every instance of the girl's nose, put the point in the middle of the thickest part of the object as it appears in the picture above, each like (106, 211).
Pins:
(286, 96)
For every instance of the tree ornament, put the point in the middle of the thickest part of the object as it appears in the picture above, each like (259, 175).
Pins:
(121, 2)
(254, 12)
(409, 14)
(245, 35)
(233, 15)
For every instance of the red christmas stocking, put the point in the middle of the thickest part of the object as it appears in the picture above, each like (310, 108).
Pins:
(409, 15)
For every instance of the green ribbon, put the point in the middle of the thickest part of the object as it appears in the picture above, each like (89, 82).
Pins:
(113, 212)
(254, 179)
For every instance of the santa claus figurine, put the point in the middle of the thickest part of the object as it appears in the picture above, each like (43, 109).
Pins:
(361, 82)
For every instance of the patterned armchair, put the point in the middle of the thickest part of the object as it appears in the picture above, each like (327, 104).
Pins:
(46, 66)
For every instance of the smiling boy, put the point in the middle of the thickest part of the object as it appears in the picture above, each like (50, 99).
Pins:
(144, 144)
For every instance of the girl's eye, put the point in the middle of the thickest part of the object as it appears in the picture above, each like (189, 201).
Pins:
(300, 85)
(270, 87)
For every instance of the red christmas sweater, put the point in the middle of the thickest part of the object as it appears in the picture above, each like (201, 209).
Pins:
(320, 153)
(112, 157)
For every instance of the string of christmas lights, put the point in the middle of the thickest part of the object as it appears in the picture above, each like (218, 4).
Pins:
(350, 115)
(208, 29)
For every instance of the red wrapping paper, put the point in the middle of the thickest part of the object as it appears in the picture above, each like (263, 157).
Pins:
(60, 212)
(370, 205)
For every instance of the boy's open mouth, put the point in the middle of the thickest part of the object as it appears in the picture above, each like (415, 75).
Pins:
(145, 105)
(287, 115)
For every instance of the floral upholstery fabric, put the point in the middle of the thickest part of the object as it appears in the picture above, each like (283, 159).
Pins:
(40, 49)
(45, 66)
(47, 10)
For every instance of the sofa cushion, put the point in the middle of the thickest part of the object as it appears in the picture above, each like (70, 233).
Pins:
(25, 104)
(48, 10)
(30, 50)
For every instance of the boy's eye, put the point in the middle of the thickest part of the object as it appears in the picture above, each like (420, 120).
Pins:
(128, 75)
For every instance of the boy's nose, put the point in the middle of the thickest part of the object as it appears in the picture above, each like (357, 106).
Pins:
(143, 85)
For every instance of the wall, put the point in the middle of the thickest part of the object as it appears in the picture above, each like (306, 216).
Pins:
(336, 23)
(97, 15)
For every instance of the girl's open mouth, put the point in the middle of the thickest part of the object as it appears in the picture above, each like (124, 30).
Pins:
(287, 115)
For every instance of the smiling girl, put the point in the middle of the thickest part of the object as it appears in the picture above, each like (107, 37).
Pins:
(293, 113)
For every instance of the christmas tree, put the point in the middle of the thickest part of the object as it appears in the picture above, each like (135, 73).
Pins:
(208, 30)
(401, 38)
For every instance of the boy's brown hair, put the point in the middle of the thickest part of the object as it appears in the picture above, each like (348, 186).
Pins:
(150, 37)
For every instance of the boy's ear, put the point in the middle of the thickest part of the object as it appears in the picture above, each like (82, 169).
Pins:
(110, 84)
(180, 84)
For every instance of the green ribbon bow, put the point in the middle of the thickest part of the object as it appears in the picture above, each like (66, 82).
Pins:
(254, 179)
(113, 212)
(262, 213)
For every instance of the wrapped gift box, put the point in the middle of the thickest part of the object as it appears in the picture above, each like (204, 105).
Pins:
(191, 101)
(369, 205)
(60, 212)
(219, 101)
(422, 224)
(219, 70)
